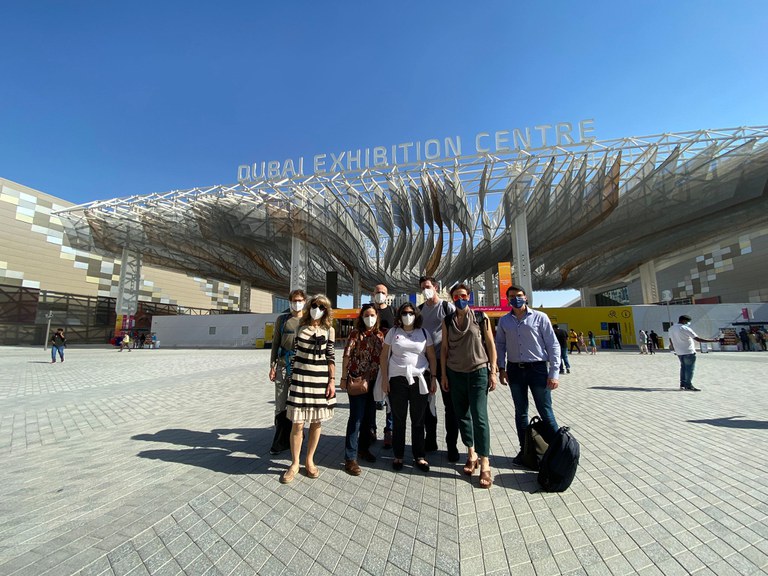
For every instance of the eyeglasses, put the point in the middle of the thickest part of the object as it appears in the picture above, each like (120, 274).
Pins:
(461, 297)
(316, 305)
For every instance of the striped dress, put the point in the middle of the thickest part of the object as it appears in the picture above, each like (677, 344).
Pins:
(314, 348)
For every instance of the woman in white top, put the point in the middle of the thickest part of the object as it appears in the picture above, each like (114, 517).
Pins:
(408, 377)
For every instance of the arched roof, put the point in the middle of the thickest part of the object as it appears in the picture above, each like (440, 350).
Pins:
(595, 212)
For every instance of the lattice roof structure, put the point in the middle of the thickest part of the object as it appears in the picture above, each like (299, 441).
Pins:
(595, 212)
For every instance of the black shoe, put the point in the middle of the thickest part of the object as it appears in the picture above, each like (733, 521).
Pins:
(518, 460)
(453, 455)
(366, 455)
(562, 371)
(397, 465)
(690, 389)
(422, 465)
(568, 370)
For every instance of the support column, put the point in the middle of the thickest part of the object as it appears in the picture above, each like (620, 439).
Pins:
(356, 290)
(130, 279)
(245, 296)
(490, 289)
(522, 266)
(299, 264)
(648, 282)
(587, 297)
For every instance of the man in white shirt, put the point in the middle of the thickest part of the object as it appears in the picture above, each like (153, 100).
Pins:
(682, 338)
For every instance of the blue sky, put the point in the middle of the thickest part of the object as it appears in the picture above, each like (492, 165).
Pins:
(100, 99)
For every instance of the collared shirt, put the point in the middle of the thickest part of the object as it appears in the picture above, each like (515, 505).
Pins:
(530, 339)
(682, 337)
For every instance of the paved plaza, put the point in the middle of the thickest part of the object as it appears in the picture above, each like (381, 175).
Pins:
(156, 462)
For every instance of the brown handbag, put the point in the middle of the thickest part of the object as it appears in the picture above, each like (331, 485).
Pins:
(357, 385)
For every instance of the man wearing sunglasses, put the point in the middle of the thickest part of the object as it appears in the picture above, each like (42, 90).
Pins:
(286, 326)
(433, 311)
(525, 342)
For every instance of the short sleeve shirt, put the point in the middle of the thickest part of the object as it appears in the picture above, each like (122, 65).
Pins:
(409, 356)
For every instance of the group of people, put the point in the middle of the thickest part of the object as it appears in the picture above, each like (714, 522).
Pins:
(752, 341)
(406, 356)
(648, 342)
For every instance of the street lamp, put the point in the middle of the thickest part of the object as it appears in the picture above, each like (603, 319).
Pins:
(48, 329)
(666, 296)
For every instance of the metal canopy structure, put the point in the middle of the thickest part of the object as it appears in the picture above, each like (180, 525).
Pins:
(595, 212)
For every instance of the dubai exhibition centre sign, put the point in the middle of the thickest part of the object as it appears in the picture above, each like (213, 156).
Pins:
(432, 150)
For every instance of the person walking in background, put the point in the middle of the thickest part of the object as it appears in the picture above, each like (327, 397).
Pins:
(562, 340)
(312, 393)
(573, 338)
(525, 343)
(433, 311)
(58, 343)
(744, 337)
(469, 372)
(582, 344)
(281, 354)
(592, 343)
(642, 342)
(408, 376)
(125, 343)
(616, 338)
(682, 339)
(649, 343)
(361, 359)
(655, 339)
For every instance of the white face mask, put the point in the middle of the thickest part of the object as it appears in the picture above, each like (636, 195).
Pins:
(379, 298)
(407, 319)
(297, 306)
(428, 293)
(316, 313)
(369, 321)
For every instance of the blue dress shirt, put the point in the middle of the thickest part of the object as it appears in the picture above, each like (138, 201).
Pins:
(530, 339)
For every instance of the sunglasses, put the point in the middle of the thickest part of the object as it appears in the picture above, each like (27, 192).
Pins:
(316, 305)
(461, 297)
(408, 314)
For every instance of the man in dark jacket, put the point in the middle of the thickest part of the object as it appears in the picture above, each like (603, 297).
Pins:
(58, 342)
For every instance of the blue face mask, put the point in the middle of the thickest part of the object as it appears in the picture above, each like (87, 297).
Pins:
(517, 302)
(461, 304)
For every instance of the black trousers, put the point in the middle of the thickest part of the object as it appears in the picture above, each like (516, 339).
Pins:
(401, 396)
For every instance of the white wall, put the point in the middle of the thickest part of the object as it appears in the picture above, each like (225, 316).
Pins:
(194, 331)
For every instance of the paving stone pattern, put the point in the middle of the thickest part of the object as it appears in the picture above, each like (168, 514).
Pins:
(156, 462)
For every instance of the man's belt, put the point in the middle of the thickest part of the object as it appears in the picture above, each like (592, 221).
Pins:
(524, 365)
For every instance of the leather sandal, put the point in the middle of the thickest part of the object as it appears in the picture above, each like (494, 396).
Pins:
(485, 478)
(469, 467)
(288, 476)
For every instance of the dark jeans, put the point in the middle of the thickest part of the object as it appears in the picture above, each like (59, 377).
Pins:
(687, 364)
(564, 355)
(469, 392)
(402, 395)
(359, 425)
(532, 377)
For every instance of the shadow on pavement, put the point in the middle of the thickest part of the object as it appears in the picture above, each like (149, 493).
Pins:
(633, 389)
(731, 422)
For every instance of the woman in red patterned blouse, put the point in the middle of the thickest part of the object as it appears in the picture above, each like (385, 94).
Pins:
(361, 358)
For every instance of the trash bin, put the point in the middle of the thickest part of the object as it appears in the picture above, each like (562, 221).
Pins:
(259, 343)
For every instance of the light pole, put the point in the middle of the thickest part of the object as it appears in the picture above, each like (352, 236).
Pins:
(666, 296)
(48, 329)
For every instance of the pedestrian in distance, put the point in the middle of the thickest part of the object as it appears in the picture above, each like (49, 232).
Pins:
(682, 340)
(125, 343)
(562, 340)
(592, 343)
(312, 393)
(642, 342)
(58, 343)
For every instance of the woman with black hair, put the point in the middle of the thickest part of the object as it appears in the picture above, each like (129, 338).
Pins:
(361, 360)
(408, 377)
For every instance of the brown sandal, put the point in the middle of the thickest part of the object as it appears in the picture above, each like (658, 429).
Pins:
(469, 467)
(288, 476)
(485, 478)
(312, 472)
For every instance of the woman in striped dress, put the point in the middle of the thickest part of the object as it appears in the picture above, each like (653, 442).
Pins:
(312, 394)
